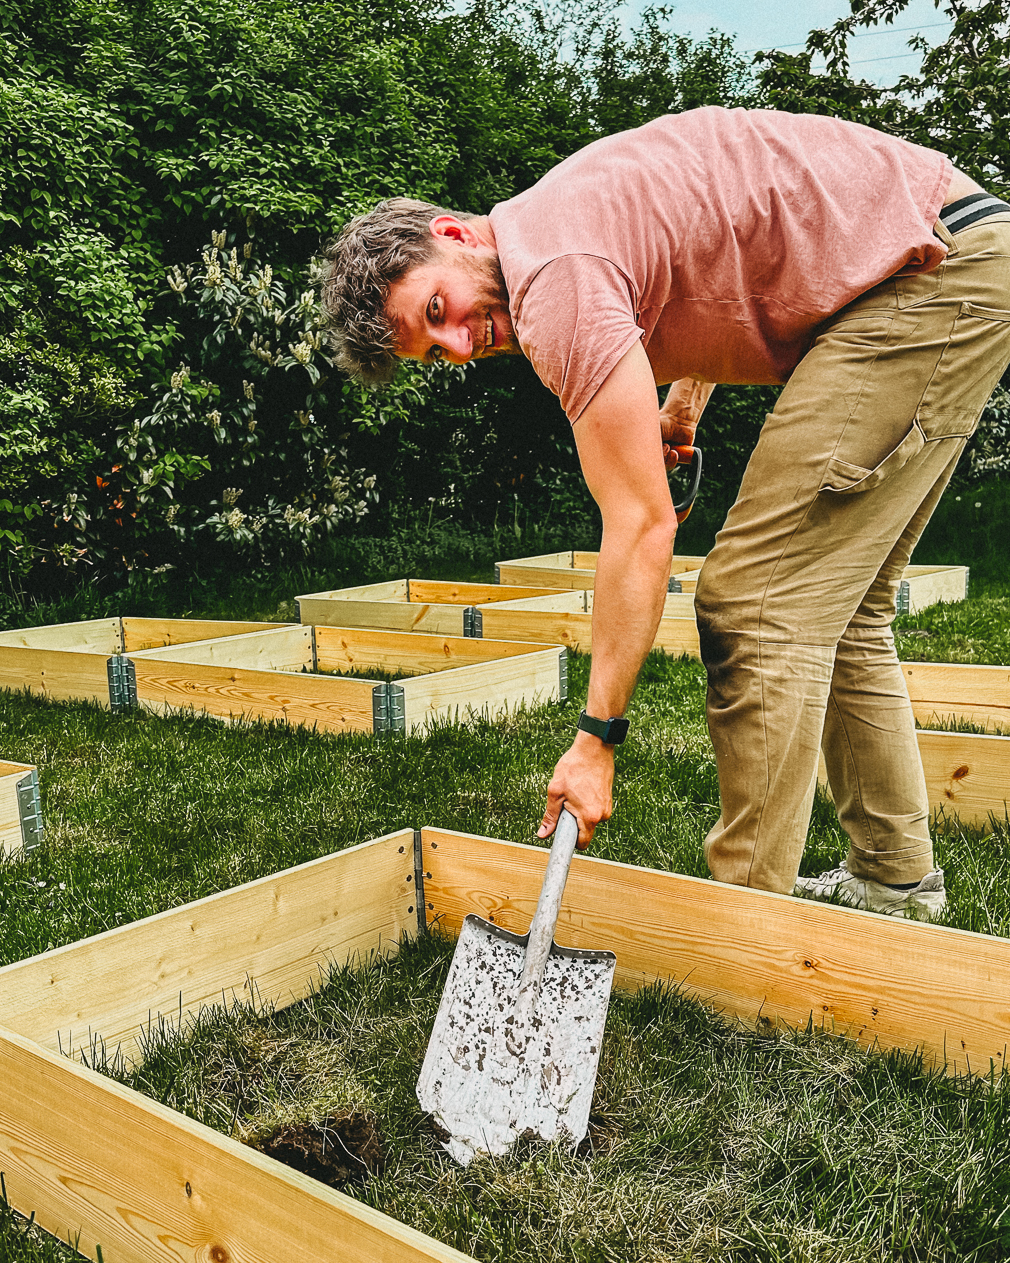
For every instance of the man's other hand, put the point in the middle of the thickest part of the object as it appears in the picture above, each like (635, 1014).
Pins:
(680, 414)
(582, 782)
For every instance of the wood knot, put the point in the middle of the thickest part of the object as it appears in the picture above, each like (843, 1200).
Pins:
(218, 1254)
(960, 773)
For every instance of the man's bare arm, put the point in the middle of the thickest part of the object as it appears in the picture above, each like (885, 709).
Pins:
(621, 450)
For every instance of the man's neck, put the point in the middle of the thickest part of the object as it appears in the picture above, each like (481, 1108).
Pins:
(481, 224)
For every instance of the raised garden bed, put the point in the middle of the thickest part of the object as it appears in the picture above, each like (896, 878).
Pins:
(302, 675)
(147, 1184)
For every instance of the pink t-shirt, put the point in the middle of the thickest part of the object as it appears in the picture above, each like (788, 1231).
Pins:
(721, 238)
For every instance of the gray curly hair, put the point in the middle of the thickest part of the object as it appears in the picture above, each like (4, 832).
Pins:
(365, 258)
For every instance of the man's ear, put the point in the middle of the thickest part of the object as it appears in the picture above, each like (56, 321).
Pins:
(453, 231)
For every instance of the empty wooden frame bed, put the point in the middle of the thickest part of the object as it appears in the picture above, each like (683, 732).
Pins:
(102, 1165)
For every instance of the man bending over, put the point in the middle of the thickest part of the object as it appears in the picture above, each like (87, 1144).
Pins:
(863, 272)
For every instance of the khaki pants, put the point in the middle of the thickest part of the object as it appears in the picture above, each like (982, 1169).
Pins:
(796, 599)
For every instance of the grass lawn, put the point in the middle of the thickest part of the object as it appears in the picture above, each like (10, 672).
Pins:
(710, 1141)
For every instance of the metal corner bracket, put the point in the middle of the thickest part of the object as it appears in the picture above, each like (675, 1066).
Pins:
(30, 810)
(473, 622)
(904, 598)
(497, 573)
(563, 676)
(388, 709)
(122, 684)
(674, 584)
(420, 902)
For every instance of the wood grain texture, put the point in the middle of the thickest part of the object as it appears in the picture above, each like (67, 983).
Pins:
(59, 674)
(469, 593)
(11, 838)
(747, 952)
(354, 648)
(267, 940)
(153, 633)
(489, 688)
(98, 635)
(966, 775)
(397, 615)
(95, 1159)
(284, 648)
(942, 692)
(331, 705)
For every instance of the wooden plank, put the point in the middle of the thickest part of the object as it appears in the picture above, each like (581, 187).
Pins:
(966, 775)
(929, 584)
(426, 590)
(95, 1159)
(392, 590)
(97, 635)
(267, 940)
(11, 837)
(153, 633)
(942, 692)
(58, 675)
(331, 705)
(395, 615)
(350, 648)
(489, 688)
(286, 648)
(749, 953)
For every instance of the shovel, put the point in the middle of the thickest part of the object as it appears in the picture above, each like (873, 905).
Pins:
(516, 1043)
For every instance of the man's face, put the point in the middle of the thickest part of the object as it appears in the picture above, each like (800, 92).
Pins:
(454, 308)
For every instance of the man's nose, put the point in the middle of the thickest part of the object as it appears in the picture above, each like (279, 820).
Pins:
(458, 343)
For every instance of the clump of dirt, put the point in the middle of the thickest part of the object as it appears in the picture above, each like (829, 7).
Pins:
(342, 1149)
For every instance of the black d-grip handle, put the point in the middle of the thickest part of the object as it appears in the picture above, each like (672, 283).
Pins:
(685, 455)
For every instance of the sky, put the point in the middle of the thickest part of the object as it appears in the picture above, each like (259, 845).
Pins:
(880, 54)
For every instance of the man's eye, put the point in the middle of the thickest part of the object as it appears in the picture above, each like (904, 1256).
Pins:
(434, 310)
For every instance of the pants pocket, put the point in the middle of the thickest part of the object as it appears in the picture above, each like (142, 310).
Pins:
(966, 373)
(844, 478)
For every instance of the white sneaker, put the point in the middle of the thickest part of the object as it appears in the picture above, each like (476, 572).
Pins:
(928, 897)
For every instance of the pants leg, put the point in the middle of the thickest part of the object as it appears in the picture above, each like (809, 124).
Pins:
(870, 748)
(844, 476)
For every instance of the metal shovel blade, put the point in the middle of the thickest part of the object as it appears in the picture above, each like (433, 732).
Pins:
(481, 1093)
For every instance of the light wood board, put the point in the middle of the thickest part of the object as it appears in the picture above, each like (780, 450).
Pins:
(96, 635)
(267, 940)
(746, 952)
(489, 689)
(153, 633)
(942, 692)
(329, 704)
(286, 648)
(351, 648)
(929, 584)
(95, 1160)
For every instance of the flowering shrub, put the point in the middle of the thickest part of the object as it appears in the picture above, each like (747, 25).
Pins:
(256, 394)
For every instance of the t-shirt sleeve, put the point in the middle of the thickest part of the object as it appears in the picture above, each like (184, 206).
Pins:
(576, 320)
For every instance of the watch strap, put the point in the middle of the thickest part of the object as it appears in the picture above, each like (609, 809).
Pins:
(610, 731)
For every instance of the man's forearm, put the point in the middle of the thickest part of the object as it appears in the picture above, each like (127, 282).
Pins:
(631, 583)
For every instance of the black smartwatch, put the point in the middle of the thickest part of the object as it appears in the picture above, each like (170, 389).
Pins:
(610, 731)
